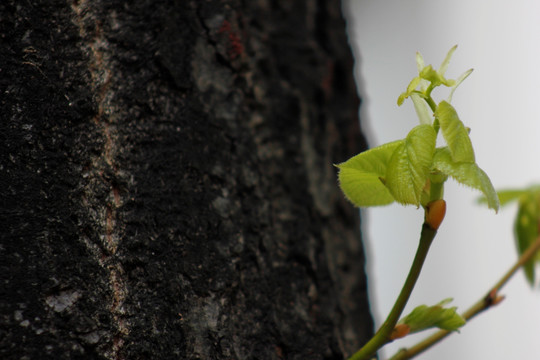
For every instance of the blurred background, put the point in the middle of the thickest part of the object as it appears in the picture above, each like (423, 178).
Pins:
(500, 103)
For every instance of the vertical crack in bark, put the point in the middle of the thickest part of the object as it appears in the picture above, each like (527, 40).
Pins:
(103, 168)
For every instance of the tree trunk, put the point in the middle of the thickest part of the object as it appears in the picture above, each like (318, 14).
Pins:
(167, 182)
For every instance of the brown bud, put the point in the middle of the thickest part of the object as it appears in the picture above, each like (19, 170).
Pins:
(435, 212)
(399, 331)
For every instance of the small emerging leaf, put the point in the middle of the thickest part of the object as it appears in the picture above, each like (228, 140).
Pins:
(467, 174)
(459, 80)
(435, 77)
(455, 133)
(410, 165)
(509, 195)
(419, 61)
(446, 61)
(412, 86)
(360, 176)
(430, 75)
(422, 111)
(425, 317)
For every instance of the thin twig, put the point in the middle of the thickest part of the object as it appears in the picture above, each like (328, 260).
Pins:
(492, 298)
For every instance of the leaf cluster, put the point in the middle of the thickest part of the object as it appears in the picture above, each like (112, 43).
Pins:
(412, 171)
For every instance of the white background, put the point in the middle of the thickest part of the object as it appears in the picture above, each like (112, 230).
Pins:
(500, 102)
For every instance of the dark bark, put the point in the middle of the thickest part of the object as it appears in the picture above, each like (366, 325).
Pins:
(167, 189)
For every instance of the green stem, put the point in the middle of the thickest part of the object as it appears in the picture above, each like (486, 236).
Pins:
(483, 304)
(429, 99)
(431, 103)
(382, 336)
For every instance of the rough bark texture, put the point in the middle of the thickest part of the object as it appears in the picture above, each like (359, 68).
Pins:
(167, 189)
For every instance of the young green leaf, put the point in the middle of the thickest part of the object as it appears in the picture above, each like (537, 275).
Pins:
(466, 173)
(422, 111)
(424, 84)
(526, 228)
(459, 80)
(508, 196)
(419, 61)
(455, 133)
(360, 176)
(412, 87)
(446, 61)
(425, 317)
(410, 164)
(435, 77)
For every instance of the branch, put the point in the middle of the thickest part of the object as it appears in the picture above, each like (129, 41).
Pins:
(492, 298)
(383, 335)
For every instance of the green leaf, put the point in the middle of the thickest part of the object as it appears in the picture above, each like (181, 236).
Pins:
(419, 61)
(430, 75)
(508, 196)
(424, 84)
(446, 61)
(459, 80)
(360, 176)
(466, 173)
(425, 317)
(455, 133)
(410, 165)
(435, 77)
(526, 224)
(422, 111)
(526, 228)
(412, 87)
